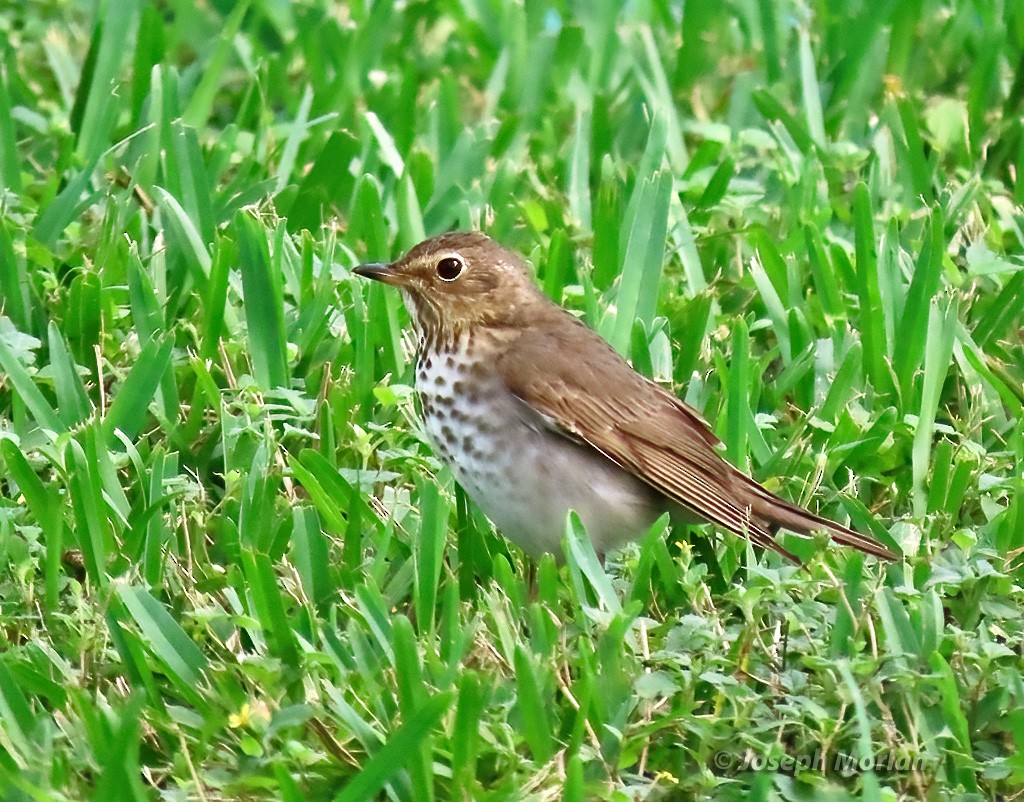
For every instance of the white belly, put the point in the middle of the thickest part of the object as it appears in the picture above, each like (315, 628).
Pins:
(523, 475)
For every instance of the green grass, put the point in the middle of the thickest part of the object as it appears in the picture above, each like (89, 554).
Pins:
(230, 567)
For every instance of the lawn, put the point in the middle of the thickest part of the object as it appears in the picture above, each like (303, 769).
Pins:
(232, 569)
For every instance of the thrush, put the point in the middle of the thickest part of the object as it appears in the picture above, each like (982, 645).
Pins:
(537, 415)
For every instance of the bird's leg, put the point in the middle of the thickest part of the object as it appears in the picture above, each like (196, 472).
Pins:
(531, 581)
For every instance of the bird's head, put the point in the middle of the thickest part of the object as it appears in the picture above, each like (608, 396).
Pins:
(457, 281)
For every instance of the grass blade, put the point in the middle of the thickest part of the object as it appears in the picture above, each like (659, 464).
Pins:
(85, 489)
(19, 723)
(98, 100)
(57, 215)
(212, 75)
(72, 402)
(270, 607)
(429, 552)
(466, 735)
(810, 91)
(165, 638)
(130, 406)
(264, 303)
(299, 130)
(14, 284)
(645, 248)
(324, 187)
(393, 757)
(533, 711)
(188, 231)
(942, 324)
(738, 405)
(923, 286)
(871, 315)
(311, 557)
(44, 414)
(47, 508)
(10, 165)
(951, 704)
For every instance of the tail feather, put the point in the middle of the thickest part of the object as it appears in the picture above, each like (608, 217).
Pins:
(779, 513)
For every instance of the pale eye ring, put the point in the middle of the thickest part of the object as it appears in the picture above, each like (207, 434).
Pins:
(449, 268)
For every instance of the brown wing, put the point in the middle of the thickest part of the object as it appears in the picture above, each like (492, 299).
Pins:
(590, 393)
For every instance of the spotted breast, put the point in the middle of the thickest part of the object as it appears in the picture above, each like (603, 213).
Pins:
(505, 457)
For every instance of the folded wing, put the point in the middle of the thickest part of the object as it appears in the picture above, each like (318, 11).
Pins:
(593, 396)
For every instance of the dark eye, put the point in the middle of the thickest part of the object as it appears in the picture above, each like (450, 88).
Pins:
(449, 268)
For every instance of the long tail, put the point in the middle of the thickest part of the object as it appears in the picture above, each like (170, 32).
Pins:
(781, 514)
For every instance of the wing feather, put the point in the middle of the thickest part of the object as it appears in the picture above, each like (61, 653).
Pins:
(589, 393)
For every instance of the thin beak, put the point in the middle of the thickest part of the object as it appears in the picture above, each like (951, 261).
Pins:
(378, 271)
